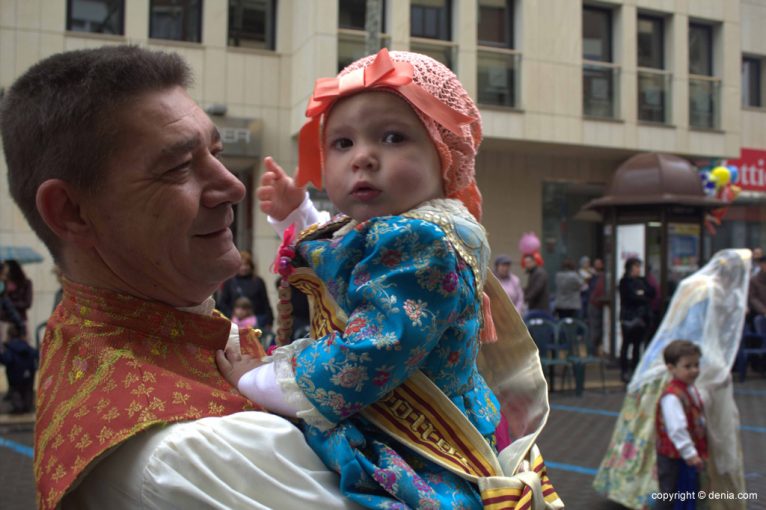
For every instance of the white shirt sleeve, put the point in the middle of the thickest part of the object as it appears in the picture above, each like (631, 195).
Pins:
(677, 426)
(260, 385)
(303, 216)
(247, 460)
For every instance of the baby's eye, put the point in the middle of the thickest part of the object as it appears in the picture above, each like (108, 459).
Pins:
(393, 137)
(341, 143)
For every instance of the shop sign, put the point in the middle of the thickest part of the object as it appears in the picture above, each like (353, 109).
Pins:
(751, 169)
(240, 137)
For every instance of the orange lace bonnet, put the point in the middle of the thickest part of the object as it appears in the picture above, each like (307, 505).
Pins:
(435, 94)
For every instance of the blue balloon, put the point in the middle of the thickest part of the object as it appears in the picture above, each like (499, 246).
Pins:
(734, 173)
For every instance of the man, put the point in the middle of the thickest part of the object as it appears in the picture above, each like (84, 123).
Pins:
(536, 291)
(116, 169)
(757, 255)
(596, 301)
(510, 282)
(756, 299)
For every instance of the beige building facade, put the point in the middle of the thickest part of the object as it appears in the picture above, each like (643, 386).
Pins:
(568, 90)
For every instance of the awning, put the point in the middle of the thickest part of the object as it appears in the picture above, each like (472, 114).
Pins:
(21, 254)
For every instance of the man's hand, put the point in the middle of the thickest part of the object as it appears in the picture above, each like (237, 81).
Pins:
(233, 365)
(277, 193)
(695, 462)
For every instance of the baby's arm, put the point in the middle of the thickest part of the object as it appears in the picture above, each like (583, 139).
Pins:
(255, 380)
(284, 202)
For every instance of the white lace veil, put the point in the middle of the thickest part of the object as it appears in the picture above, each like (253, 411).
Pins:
(708, 308)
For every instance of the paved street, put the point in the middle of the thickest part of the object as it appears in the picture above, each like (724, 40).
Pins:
(573, 443)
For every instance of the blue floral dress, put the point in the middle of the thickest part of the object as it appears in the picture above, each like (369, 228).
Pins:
(408, 286)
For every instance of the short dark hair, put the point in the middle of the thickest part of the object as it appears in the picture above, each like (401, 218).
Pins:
(677, 349)
(61, 118)
(632, 261)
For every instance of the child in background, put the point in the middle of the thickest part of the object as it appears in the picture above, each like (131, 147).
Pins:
(394, 139)
(680, 425)
(20, 360)
(243, 315)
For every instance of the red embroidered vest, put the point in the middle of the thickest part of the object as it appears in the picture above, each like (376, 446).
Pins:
(113, 365)
(695, 420)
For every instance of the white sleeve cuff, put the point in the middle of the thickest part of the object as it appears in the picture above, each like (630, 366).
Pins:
(303, 216)
(259, 385)
(285, 376)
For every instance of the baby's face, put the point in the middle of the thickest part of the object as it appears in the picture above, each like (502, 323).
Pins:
(379, 158)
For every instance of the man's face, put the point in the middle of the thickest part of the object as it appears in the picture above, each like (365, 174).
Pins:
(503, 269)
(598, 265)
(162, 216)
(757, 253)
(379, 158)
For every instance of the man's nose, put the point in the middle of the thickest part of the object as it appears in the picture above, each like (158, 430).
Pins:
(222, 186)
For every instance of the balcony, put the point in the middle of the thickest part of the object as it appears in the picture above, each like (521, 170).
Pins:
(704, 102)
(654, 95)
(443, 51)
(601, 85)
(499, 77)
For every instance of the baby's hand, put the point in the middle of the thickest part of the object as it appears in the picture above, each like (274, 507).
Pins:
(277, 193)
(696, 462)
(233, 365)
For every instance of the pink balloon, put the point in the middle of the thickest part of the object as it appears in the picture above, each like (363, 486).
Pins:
(529, 243)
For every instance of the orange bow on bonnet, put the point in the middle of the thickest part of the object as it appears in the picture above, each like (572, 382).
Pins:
(381, 73)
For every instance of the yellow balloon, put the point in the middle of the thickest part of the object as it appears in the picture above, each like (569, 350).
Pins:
(722, 175)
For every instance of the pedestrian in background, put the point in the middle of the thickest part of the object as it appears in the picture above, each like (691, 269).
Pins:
(510, 282)
(247, 283)
(586, 272)
(243, 315)
(635, 297)
(536, 291)
(757, 255)
(20, 360)
(568, 286)
(596, 300)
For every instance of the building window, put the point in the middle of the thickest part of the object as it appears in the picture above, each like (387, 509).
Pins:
(431, 30)
(252, 23)
(498, 63)
(352, 17)
(752, 82)
(495, 24)
(177, 20)
(96, 16)
(600, 74)
(704, 88)
(431, 19)
(654, 82)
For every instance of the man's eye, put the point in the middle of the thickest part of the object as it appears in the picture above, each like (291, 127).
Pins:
(183, 166)
(341, 143)
(393, 137)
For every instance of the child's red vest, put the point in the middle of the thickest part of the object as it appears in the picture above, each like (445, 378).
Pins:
(695, 420)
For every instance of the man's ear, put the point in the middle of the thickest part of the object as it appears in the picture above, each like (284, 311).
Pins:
(60, 207)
